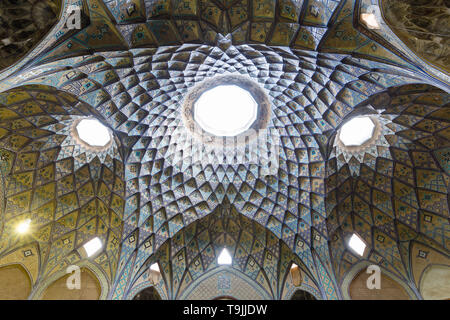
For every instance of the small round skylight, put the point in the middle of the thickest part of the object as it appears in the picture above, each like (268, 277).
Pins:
(93, 133)
(357, 131)
(225, 110)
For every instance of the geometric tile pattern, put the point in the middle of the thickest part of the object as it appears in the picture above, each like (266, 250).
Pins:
(131, 67)
(141, 96)
(69, 194)
(194, 250)
(368, 153)
(399, 196)
(23, 24)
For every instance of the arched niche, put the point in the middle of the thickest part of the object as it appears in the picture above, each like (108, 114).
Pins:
(90, 288)
(149, 293)
(295, 275)
(224, 282)
(390, 289)
(354, 285)
(300, 294)
(435, 283)
(297, 278)
(193, 252)
(430, 269)
(15, 283)
(225, 298)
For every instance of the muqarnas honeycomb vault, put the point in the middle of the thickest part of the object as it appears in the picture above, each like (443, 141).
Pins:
(162, 215)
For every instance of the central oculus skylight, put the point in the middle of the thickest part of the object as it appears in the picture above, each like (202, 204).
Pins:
(225, 110)
(357, 131)
(93, 133)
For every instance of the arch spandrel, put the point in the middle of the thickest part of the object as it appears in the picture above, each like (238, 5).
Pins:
(192, 254)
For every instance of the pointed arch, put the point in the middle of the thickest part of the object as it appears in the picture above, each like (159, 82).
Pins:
(94, 285)
(149, 293)
(354, 285)
(435, 282)
(15, 282)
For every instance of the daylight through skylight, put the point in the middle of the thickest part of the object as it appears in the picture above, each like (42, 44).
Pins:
(224, 258)
(225, 110)
(357, 131)
(92, 132)
(357, 245)
(93, 246)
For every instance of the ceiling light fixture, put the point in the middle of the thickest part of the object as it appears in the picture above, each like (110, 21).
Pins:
(93, 246)
(357, 131)
(225, 110)
(24, 226)
(93, 132)
(224, 257)
(357, 244)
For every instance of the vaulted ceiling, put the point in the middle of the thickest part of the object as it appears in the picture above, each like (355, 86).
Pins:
(132, 64)
(422, 25)
(23, 24)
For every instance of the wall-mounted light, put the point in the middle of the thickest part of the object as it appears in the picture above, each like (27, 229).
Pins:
(24, 226)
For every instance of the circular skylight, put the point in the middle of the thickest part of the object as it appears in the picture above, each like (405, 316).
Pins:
(93, 133)
(225, 110)
(357, 131)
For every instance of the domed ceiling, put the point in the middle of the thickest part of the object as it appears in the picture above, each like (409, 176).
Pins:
(149, 198)
(423, 26)
(23, 23)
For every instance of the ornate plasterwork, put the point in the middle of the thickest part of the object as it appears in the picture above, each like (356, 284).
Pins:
(402, 196)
